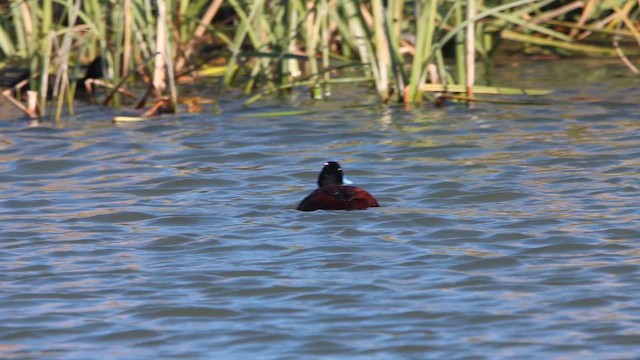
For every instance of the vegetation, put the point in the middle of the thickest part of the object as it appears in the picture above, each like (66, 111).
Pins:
(408, 50)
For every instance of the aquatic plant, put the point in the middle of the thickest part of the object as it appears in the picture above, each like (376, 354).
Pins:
(137, 40)
(413, 49)
(408, 50)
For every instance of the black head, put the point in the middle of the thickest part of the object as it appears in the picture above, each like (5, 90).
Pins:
(94, 69)
(331, 174)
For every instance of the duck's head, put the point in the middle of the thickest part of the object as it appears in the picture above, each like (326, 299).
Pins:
(331, 175)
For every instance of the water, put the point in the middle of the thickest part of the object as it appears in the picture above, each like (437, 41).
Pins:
(505, 231)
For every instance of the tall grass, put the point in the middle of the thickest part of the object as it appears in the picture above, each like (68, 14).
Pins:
(138, 40)
(408, 50)
(403, 46)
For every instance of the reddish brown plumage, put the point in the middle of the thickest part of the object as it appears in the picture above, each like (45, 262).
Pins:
(332, 195)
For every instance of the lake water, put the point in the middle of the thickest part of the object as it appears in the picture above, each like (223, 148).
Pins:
(506, 231)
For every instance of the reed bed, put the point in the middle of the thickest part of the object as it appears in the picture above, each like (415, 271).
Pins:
(408, 51)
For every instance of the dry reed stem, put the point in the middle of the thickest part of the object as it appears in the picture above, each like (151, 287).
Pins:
(29, 111)
(586, 12)
(325, 37)
(622, 14)
(599, 25)
(26, 20)
(159, 71)
(126, 51)
(200, 30)
(625, 60)
(44, 75)
(558, 12)
(470, 51)
(32, 103)
(292, 65)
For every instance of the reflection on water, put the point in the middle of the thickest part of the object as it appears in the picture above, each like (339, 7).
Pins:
(504, 231)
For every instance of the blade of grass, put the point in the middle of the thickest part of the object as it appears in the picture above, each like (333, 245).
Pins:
(292, 66)
(198, 33)
(590, 49)
(460, 45)
(625, 60)
(482, 15)
(325, 37)
(382, 50)
(6, 45)
(128, 33)
(22, 28)
(424, 37)
(62, 77)
(479, 89)
(528, 25)
(557, 12)
(313, 33)
(393, 31)
(591, 28)
(623, 15)
(244, 29)
(355, 27)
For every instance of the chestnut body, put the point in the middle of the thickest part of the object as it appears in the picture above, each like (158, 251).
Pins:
(333, 195)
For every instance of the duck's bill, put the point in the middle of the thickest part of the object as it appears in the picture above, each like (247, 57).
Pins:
(346, 181)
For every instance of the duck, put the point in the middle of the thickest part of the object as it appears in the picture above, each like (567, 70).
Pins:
(332, 194)
(16, 78)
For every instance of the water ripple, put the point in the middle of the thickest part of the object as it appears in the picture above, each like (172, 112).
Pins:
(503, 232)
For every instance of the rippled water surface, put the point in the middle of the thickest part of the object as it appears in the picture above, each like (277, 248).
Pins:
(505, 231)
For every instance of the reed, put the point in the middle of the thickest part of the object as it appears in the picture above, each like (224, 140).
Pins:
(408, 50)
(138, 40)
(375, 36)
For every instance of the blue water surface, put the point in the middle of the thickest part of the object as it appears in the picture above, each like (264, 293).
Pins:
(505, 231)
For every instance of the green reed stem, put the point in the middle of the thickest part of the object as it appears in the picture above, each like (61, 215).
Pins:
(393, 31)
(424, 37)
(460, 45)
(324, 16)
(382, 50)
